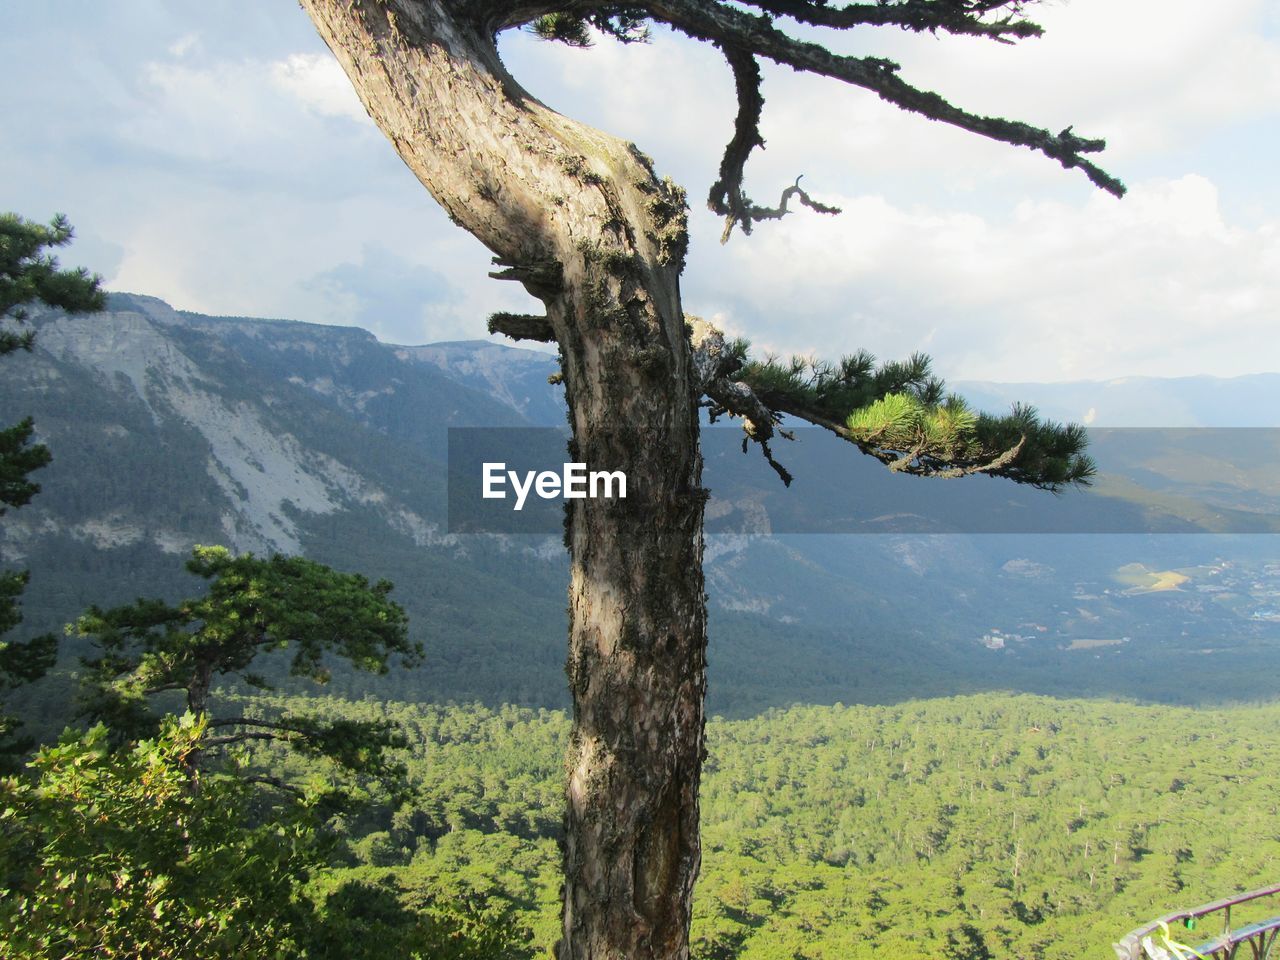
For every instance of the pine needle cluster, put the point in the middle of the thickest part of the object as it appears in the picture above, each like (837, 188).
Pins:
(627, 24)
(901, 413)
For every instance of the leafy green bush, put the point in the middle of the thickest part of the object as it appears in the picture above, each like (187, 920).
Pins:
(119, 854)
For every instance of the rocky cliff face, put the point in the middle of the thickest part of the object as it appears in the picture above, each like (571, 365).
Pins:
(517, 378)
(268, 473)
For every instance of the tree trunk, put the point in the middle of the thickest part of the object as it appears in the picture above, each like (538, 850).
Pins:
(581, 219)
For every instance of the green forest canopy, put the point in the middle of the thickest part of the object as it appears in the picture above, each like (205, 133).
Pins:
(966, 827)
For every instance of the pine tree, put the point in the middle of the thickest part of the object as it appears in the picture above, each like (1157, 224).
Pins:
(254, 606)
(28, 276)
(585, 224)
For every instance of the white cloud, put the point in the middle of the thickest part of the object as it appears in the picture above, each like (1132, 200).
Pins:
(199, 252)
(243, 113)
(317, 81)
(185, 44)
(233, 167)
(1158, 284)
(674, 99)
(209, 113)
(1147, 74)
(1153, 77)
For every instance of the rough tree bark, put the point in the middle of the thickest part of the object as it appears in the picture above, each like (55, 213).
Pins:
(582, 220)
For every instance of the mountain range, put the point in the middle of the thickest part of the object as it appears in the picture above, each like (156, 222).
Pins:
(170, 428)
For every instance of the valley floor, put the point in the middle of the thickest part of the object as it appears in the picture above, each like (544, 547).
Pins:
(986, 826)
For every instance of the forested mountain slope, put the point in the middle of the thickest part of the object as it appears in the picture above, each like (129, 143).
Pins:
(170, 429)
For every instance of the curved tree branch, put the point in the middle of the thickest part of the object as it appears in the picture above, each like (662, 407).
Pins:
(727, 197)
(270, 781)
(940, 439)
(732, 28)
(964, 17)
(522, 326)
(745, 37)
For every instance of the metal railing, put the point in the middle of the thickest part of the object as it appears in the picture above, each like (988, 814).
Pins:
(1259, 937)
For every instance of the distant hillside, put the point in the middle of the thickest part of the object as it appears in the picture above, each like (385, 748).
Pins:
(1248, 401)
(517, 378)
(171, 428)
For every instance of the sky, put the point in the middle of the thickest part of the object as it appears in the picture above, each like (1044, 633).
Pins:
(214, 155)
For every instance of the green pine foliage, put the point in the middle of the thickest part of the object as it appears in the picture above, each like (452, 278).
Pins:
(25, 660)
(901, 413)
(293, 607)
(20, 663)
(19, 457)
(836, 389)
(903, 422)
(254, 605)
(626, 24)
(371, 914)
(28, 275)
